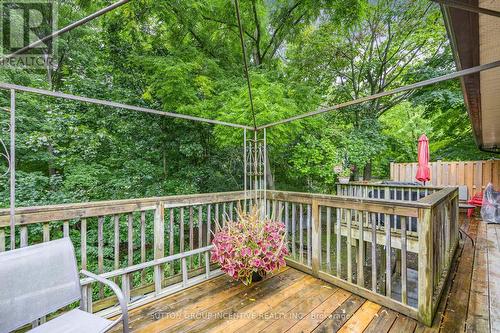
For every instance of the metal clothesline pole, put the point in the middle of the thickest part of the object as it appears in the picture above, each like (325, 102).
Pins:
(117, 105)
(12, 164)
(245, 168)
(255, 155)
(245, 65)
(420, 84)
(67, 28)
(264, 158)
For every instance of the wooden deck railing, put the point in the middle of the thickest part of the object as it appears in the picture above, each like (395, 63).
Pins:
(132, 241)
(394, 252)
(384, 191)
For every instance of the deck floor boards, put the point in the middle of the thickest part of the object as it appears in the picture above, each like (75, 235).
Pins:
(292, 301)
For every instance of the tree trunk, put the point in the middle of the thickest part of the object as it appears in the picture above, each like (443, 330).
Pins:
(269, 175)
(164, 164)
(367, 171)
(52, 170)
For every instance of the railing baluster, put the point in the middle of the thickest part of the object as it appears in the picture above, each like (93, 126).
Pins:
(287, 224)
(46, 232)
(184, 272)
(349, 245)
(207, 264)
(309, 240)
(83, 243)
(66, 228)
(100, 252)
(191, 235)
(200, 232)
(315, 245)
(171, 240)
(216, 217)
(231, 209)
(2, 240)
(338, 257)
(404, 295)
(181, 230)
(143, 245)
(328, 237)
(294, 223)
(361, 250)
(320, 250)
(24, 236)
(447, 231)
(224, 214)
(301, 234)
(374, 252)
(388, 271)
(116, 241)
(130, 247)
(209, 224)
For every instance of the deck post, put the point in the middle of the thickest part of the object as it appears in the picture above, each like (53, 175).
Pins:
(159, 241)
(425, 259)
(315, 238)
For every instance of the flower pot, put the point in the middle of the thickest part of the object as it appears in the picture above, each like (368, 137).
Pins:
(256, 277)
(344, 180)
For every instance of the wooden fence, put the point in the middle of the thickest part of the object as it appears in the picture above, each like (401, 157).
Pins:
(474, 174)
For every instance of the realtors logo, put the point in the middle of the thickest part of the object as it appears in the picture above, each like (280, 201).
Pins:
(24, 25)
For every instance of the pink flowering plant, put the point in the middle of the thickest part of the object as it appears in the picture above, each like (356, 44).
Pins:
(250, 244)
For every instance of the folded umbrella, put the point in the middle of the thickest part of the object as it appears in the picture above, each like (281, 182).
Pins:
(423, 170)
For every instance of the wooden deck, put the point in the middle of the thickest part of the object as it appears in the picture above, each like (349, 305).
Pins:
(296, 302)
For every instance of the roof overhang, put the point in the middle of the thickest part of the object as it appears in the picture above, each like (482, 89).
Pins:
(475, 39)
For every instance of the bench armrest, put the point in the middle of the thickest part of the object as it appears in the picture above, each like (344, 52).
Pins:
(119, 294)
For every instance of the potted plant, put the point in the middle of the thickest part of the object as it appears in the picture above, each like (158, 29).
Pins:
(250, 247)
(343, 174)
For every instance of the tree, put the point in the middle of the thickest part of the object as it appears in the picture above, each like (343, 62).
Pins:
(391, 46)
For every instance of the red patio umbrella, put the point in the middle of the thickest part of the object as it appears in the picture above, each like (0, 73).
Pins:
(423, 171)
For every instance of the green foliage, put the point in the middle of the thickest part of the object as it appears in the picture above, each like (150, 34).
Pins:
(185, 57)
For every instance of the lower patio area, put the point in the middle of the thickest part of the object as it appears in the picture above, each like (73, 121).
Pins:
(292, 301)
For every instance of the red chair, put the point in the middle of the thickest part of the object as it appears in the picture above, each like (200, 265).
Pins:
(476, 200)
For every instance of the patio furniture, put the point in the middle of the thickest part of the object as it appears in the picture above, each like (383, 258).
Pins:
(476, 201)
(41, 279)
(463, 197)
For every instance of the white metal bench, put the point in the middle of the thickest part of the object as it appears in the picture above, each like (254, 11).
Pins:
(38, 280)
